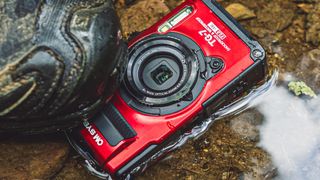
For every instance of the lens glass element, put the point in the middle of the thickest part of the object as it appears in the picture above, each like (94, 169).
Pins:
(162, 70)
(161, 74)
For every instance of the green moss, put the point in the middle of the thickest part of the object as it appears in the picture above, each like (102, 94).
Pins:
(300, 88)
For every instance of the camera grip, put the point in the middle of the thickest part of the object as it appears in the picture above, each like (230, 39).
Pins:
(113, 126)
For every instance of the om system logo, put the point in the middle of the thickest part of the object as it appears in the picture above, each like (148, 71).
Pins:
(93, 133)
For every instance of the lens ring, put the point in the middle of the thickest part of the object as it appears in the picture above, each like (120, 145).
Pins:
(142, 53)
(160, 73)
(139, 65)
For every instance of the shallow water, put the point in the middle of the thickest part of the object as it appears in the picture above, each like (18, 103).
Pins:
(277, 137)
(291, 134)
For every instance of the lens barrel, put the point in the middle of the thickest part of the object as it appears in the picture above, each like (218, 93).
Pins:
(162, 71)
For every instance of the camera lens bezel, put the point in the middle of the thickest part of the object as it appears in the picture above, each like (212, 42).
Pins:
(150, 68)
(191, 61)
(138, 64)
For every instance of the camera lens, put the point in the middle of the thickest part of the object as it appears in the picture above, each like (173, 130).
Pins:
(161, 70)
(161, 74)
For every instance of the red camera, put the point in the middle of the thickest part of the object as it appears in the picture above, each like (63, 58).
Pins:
(193, 62)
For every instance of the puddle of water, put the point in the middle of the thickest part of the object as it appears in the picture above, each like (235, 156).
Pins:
(291, 133)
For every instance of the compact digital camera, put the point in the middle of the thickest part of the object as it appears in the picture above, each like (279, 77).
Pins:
(190, 64)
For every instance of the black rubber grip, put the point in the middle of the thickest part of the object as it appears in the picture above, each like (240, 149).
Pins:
(113, 126)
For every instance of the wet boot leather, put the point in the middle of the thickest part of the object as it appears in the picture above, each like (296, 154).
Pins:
(60, 60)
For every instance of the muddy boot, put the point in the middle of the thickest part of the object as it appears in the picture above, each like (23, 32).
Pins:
(60, 60)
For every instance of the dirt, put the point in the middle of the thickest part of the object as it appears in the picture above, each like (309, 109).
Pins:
(227, 151)
(32, 157)
(290, 33)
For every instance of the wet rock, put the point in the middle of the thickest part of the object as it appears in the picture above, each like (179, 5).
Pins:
(260, 32)
(313, 26)
(173, 3)
(309, 69)
(246, 125)
(280, 27)
(305, 1)
(141, 15)
(277, 16)
(221, 153)
(240, 12)
(306, 8)
(121, 3)
(125, 2)
(73, 169)
(24, 158)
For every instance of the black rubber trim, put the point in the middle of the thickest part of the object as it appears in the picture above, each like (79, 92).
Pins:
(219, 11)
(254, 73)
(126, 169)
(245, 81)
(113, 126)
(146, 154)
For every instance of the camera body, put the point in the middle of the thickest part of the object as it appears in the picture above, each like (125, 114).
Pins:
(190, 64)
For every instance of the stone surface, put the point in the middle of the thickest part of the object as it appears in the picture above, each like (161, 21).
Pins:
(73, 169)
(141, 15)
(224, 152)
(313, 25)
(32, 157)
(173, 3)
(240, 12)
(276, 16)
(247, 124)
(309, 69)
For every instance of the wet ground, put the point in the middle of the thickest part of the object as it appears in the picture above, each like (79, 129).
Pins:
(290, 32)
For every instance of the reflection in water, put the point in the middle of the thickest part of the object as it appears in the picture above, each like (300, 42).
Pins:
(291, 133)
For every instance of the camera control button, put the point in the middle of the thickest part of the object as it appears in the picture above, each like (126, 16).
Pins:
(216, 64)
